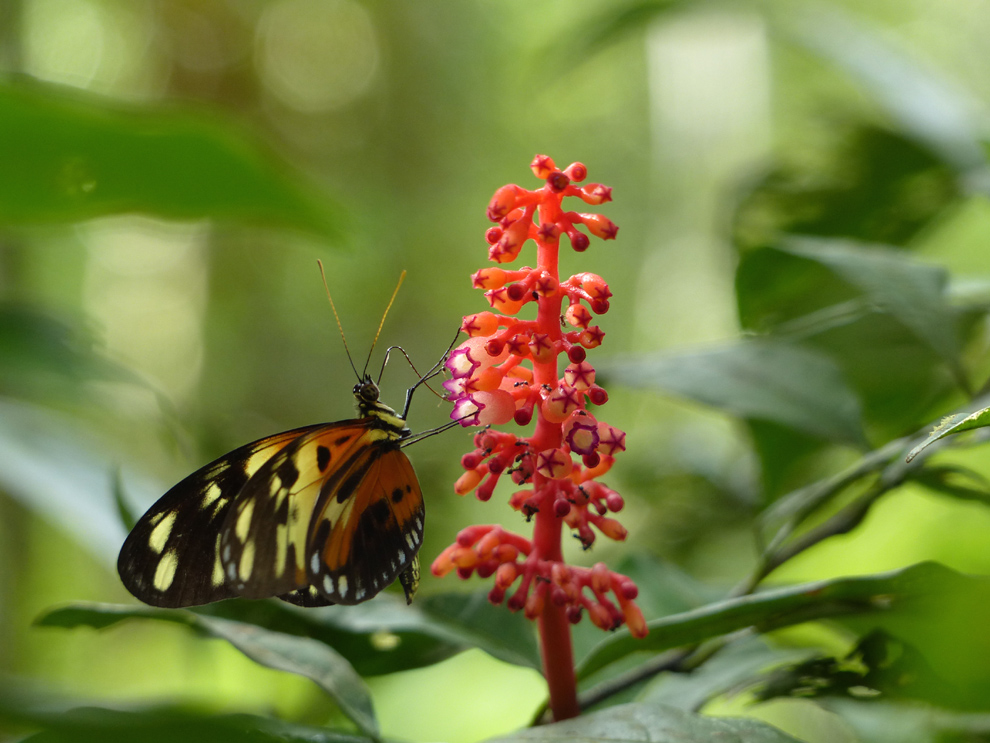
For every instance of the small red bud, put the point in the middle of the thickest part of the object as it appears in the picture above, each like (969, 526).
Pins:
(577, 172)
(558, 181)
(597, 395)
(516, 291)
(576, 354)
(580, 242)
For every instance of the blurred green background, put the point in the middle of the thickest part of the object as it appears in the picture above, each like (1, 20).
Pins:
(172, 170)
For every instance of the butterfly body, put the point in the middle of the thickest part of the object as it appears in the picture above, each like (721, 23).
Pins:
(325, 514)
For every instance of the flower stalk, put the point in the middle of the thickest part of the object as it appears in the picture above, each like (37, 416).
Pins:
(509, 370)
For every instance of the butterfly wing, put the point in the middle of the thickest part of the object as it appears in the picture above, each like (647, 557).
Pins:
(368, 526)
(264, 538)
(171, 557)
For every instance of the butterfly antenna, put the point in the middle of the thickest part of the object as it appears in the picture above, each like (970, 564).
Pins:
(402, 277)
(337, 318)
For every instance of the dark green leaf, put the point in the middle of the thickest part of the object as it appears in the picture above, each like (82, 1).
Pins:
(377, 637)
(912, 292)
(874, 185)
(896, 373)
(651, 723)
(727, 672)
(300, 655)
(759, 379)
(155, 725)
(68, 156)
(42, 356)
(787, 606)
(473, 620)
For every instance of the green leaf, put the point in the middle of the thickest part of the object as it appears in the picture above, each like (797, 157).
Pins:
(651, 723)
(759, 379)
(386, 636)
(154, 725)
(894, 369)
(725, 673)
(912, 292)
(473, 620)
(953, 424)
(300, 655)
(783, 607)
(873, 185)
(69, 156)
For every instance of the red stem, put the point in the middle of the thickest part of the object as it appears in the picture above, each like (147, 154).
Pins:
(555, 631)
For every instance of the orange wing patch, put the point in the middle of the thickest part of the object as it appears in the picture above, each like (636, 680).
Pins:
(368, 525)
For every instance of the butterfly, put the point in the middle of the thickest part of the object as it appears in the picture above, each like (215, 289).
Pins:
(325, 514)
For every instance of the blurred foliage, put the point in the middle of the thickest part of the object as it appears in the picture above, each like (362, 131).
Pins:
(802, 195)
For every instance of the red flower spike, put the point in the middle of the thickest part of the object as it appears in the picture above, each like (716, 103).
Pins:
(509, 369)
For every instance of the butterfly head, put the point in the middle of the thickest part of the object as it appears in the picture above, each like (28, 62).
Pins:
(366, 391)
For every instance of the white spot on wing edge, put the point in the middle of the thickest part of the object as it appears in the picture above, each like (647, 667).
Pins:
(327, 584)
(342, 585)
(314, 563)
(410, 541)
